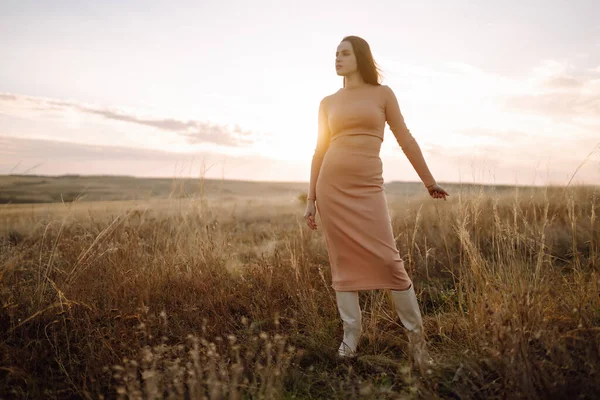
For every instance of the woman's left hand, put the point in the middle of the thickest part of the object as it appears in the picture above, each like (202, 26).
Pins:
(437, 192)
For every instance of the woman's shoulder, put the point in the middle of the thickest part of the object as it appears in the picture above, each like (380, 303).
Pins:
(385, 89)
(386, 93)
(327, 99)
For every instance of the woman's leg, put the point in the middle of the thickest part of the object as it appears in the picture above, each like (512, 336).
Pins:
(349, 309)
(407, 307)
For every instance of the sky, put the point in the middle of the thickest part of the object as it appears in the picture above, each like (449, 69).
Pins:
(494, 92)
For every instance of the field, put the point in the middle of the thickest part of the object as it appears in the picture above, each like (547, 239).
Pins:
(139, 288)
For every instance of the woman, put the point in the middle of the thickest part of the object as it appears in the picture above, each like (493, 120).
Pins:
(346, 186)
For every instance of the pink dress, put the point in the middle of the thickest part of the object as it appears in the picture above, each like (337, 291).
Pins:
(346, 182)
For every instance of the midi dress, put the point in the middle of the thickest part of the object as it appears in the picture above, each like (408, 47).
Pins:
(346, 183)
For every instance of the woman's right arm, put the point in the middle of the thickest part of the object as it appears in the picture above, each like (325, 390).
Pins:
(323, 140)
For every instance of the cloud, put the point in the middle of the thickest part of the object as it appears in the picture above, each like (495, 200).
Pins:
(563, 82)
(53, 157)
(193, 131)
(7, 96)
(557, 91)
(555, 104)
(516, 149)
(525, 160)
(44, 150)
(501, 136)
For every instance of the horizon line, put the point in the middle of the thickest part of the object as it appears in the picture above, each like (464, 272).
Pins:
(88, 176)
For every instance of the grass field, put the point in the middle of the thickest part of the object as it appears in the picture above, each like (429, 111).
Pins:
(217, 289)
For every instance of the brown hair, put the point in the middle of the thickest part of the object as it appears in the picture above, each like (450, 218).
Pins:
(367, 67)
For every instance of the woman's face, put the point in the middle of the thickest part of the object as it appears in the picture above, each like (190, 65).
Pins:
(345, 59)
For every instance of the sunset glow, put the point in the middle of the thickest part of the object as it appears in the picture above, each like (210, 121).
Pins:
(510, 92)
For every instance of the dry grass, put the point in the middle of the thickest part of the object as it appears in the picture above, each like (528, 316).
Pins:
(231, 299)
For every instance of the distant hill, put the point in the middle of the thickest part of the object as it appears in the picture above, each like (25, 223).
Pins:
(47, 189)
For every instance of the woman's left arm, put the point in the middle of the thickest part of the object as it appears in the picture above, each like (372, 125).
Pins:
(405, 139)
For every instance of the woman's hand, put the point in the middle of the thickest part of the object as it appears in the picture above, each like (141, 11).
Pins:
(311, 214)
(437, 192)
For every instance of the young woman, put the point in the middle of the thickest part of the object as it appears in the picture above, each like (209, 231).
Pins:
(346, 186)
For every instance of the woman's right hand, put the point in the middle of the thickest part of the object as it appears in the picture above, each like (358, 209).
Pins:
(311, 214)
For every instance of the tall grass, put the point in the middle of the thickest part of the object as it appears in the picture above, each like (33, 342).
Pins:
(201, 299)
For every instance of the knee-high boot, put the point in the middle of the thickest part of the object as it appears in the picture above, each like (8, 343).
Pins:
(407, 307)
(351, 315)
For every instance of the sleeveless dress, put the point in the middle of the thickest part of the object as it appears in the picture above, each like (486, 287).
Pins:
(346, 182)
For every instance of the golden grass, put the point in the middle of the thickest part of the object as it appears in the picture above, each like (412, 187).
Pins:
(230, 298)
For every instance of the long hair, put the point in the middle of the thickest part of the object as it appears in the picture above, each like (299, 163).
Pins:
(367, 67)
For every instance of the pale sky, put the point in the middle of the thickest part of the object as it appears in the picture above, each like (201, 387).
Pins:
(494, 92)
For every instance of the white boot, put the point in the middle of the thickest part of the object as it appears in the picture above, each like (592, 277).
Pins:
(407, 307)
(351, 315)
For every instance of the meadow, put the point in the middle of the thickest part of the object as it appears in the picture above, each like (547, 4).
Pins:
(215, 289)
